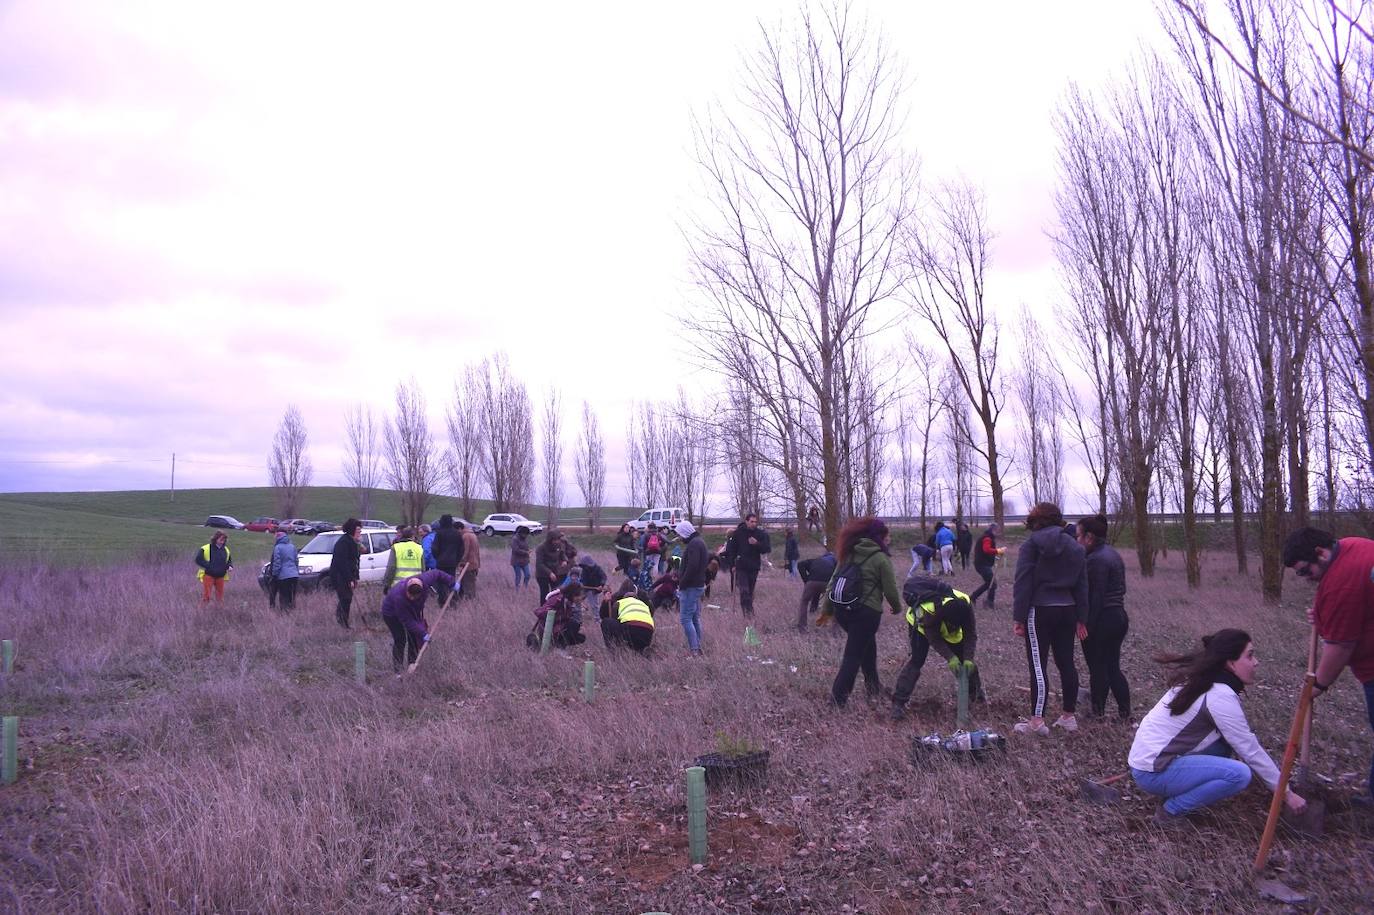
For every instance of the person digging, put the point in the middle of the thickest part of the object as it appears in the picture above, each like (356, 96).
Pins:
(403, 611)
(942, 618)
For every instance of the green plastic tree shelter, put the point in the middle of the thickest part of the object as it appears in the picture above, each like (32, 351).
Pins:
(7, 656)
(360, 662)
(548, 633)
(696, 813)
(963, 722)
(589, 681)
(9, 767)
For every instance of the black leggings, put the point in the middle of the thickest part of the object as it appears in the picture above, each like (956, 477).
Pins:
(1052, 630)
(860, 652)
(1102, 651)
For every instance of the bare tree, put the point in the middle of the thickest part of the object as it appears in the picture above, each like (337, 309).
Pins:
(950, 251)
(960, 456)
(810, 194)
(1041, 399)
(505, 424)
(465, 441)
(646, 442)
(1121, 237)
(691, 457)
(589, 464)
(551, 452)
(1252, 147)
(919, 415)
(413, 467)
(362, 466)
(288, 466)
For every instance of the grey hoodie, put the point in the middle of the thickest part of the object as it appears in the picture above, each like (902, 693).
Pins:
(1050, 572)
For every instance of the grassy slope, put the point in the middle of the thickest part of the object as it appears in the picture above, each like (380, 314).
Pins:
(107, 527)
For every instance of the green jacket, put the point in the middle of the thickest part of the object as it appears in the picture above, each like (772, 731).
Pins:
(879, 579)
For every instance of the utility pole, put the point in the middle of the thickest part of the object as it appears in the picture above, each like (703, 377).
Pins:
(173, 496)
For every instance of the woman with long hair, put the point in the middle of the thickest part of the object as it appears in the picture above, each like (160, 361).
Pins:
(1050, 605)
(1182, 750)
(1107, 619)
(864, 545)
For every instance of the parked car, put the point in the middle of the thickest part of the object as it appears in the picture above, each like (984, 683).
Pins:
(296, 526)
(229, 521)
(507, 522)
(457, 520)
(373, 522)
(321, 527)
(262, 524)
(314, 558)
(660, 517)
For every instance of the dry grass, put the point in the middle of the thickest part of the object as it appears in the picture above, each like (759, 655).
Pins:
(197, 760)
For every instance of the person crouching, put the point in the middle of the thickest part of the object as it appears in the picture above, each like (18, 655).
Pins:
(627, 620)
(565, 603)
(403, 611)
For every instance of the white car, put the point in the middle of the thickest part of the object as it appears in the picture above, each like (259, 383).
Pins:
(506, 523)
(659, 517)
(374, 545)
(296, 526)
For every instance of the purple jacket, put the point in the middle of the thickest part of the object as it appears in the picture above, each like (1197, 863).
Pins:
(411, 613)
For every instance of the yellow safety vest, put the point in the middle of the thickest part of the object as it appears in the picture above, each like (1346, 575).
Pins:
(205, 554)
(952, 637)
(634, 610)
(410, 560)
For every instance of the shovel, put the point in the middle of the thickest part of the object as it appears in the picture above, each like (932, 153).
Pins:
(1101, 793)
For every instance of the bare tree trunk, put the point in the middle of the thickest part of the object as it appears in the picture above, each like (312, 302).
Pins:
(551, 452)
(412, 462)
(590, 466)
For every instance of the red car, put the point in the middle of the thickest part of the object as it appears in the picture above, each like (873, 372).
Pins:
(268, 525)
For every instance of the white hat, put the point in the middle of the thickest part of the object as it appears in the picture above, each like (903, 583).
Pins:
(684, 529)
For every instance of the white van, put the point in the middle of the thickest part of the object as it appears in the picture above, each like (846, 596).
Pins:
(660, 517)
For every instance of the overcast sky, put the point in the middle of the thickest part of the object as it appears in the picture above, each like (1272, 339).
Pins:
(209, 211)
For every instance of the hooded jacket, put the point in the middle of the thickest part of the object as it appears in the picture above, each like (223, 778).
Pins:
(519, 550)
(1050, 572)
(985, 557)
(549, 562)
(1106, 575)
(878, 579)
(694, 559)
(344, 561)
(284, 559)
(447, 548)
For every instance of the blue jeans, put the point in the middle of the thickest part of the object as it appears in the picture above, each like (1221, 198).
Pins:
(522, 574)
(689, 610)
(1197, 780)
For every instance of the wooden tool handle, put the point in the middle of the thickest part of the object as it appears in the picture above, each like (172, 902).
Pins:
(1289, 753)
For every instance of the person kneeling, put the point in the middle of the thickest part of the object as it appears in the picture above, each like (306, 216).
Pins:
(565, 603)
(942, 618)
(1182, 750)
(403, 611)
(627, 620)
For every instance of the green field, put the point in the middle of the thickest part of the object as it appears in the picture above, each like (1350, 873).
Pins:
(68, 528)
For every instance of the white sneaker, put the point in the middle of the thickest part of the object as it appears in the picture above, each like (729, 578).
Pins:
(1067, 722)
(1025, 727)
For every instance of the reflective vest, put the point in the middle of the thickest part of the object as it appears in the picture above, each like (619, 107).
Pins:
(205, 554)
(634, 610)
(951, 636)
(410, 560)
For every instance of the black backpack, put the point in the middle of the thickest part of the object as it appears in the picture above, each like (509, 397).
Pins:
(919, 588)
(846, 588)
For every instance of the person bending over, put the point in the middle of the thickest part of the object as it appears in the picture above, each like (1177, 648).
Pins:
(942, 618)
(403, 611)
(627, 621)
(1182, 750)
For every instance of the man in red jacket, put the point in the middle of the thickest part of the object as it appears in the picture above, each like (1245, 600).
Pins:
(1342, 611)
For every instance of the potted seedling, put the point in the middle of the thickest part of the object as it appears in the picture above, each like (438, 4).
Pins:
(737, 762)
